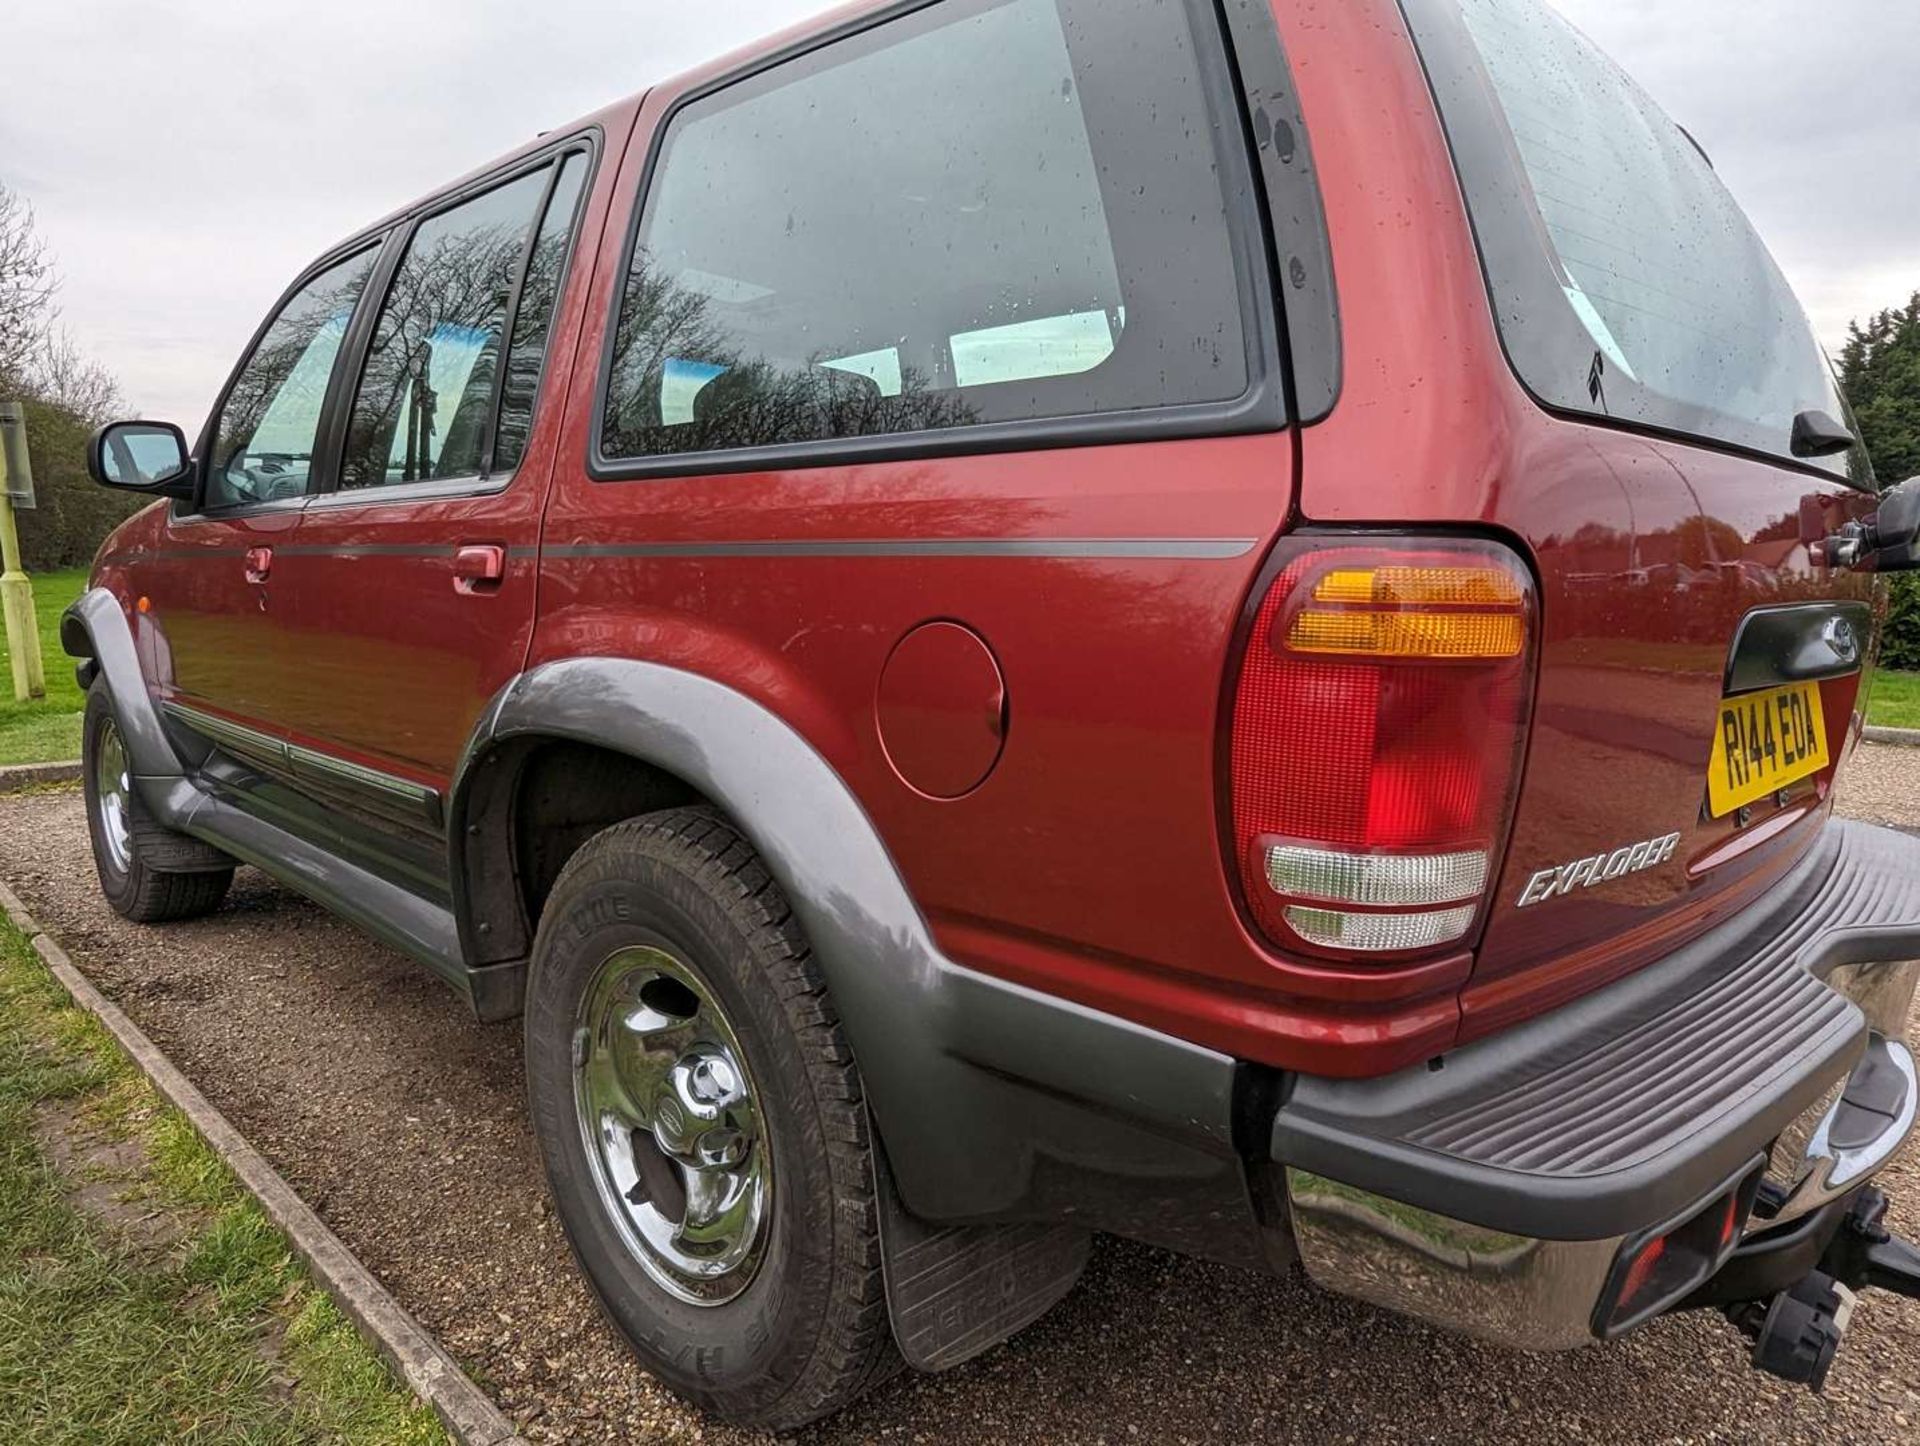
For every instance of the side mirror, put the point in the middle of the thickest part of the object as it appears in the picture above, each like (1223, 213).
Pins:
(1897, 519)
(149, 457)
(1889, 541)
(1897, 528)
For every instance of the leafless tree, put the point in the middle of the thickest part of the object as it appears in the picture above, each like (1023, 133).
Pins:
(27, 285)
(58, 372)
(750, 401)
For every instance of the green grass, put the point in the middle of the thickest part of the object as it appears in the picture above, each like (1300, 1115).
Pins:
(1896, 700)
(218, 1338)
(44, 730)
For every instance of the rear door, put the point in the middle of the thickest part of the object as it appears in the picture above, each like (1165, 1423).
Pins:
(411, 578)
(1701, 668)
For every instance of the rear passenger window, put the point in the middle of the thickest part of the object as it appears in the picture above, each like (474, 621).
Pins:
(433, 401)
(1628, 283)
(527, 352)
(978, 213)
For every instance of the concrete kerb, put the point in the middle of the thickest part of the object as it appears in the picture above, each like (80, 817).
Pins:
(1898, 737)
(432, 1374)
(17, 776)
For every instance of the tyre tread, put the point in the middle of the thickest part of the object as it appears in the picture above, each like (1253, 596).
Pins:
(855, 1350)
(153, 889)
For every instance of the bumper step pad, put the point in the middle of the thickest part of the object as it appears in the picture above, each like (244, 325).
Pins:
(1622, 1108)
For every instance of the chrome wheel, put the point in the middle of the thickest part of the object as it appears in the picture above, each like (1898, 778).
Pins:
(112, 795)
(671, 1127)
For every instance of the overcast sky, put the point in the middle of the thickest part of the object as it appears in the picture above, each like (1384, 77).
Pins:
(187, 158)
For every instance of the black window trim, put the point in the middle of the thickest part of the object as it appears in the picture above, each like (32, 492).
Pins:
(1262, 407)
(328, 493)
(1301, 247)
(491, 437)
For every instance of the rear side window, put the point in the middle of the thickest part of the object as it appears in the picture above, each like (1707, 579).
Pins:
(978, 213)
(527, 350)
(454, 363)
(1627, 280)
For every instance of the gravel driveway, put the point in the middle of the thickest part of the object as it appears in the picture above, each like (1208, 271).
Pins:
(402, 1122)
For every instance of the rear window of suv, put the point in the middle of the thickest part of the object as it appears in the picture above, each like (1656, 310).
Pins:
(1627, 281)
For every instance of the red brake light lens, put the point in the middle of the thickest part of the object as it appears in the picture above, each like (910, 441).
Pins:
(1378, 724)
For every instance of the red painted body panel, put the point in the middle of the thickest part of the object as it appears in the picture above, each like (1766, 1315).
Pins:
(372, 580)
(229, 641)
(1088, 864)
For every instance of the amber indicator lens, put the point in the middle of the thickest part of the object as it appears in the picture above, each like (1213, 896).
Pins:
(1413, 612)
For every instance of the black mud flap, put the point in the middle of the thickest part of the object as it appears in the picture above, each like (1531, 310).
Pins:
(167, 852)
(956, 1291)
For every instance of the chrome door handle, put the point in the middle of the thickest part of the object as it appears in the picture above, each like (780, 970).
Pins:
(259, 563)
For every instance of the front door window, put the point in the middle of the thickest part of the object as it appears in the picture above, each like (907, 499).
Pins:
(263, 444)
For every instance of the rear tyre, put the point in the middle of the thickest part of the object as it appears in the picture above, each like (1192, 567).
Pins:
(703, 1126)
(129, 847)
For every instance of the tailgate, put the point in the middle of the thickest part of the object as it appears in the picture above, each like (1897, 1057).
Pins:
(1665, 786)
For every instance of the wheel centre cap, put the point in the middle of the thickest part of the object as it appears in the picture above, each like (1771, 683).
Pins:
(691, 1108)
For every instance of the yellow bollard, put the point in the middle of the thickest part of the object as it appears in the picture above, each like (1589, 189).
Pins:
(16, 591)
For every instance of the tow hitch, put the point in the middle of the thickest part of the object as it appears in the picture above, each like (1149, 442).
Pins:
(1797, 1334)
(1798, 1331)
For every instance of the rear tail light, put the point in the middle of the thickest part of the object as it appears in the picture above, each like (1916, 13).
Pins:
(1377, 731)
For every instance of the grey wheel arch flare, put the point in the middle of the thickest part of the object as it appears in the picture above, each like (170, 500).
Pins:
(94, 628)
(987, 1095)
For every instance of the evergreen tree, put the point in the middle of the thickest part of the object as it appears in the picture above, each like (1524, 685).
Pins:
(1880, 369)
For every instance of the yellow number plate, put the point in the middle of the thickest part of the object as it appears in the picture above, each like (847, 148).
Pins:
(1766, 741)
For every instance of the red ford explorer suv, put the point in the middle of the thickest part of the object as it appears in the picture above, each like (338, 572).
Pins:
(1227, 622)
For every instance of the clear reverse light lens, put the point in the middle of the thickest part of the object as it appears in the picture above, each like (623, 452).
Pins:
(1390, 879)
(1379, 933)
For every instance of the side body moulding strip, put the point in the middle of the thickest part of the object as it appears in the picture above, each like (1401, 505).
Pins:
(1198, 549)
(245, 744)
(383, 793)
(95, 628)
(994, 1102)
